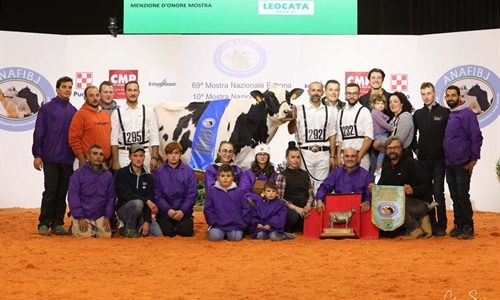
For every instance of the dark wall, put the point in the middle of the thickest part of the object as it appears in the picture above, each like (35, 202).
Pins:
(405, 17)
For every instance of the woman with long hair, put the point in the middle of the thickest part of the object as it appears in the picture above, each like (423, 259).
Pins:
(224, 156)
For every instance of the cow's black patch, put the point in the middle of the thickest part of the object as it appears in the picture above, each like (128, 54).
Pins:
(228, 126)
(161, 128)
(185, 141)
(165, 137)
(197, 109)
(481, 96)
(250, 128)
(31, 99)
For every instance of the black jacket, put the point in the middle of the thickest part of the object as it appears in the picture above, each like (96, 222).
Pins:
(431, 126)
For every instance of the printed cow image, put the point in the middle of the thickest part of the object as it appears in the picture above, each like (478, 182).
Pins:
(244, 122)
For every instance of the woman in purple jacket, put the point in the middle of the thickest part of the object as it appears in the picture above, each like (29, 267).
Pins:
(224, 156)
(226, 209)
(261, 171)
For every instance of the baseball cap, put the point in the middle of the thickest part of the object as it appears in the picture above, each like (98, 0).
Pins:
(136, 147)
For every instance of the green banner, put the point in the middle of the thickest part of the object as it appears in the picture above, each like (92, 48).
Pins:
(388, 206)
(241, 17)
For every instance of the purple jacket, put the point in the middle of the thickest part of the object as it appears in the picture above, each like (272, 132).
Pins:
(175, 189)
(340, 182)
(211, 174)
(91, 194)
(50, 138)
(248, 180)
(380, 124)
(226, 209)
(272, 213)
(462, 138)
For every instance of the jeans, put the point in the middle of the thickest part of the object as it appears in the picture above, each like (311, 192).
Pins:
(435, 169)
(376, 157)
(215, 234)
(56, 182)
(458, 180)
(272, 235)
(154, 228)
(130, 212)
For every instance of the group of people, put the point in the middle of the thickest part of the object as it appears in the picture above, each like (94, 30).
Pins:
(339, 148)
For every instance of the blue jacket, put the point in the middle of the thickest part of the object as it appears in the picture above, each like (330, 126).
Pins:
(50, 138)
(463, 138)
(226, 209)
(248, 180)
(272, 213)
(175, 188)
(91, 194)
(340, 182)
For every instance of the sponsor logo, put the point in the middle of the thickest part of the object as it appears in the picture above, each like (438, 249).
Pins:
(23, 92)
(240, 58)
(286, 7)
(478, 85)
(209, 122)
(361, 78)
(387, 209)
(83, 80)
(399, 82)
(119, 78)
(161, 84)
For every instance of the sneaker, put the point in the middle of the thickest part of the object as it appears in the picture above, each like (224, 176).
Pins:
(425, 224)
(130, 233)
(455, 232)
(415, 234)
(288, 236)
(43, 230)
(439, 232)
(467, 233)
(58, 230)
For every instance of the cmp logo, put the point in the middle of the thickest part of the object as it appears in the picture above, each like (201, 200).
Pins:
(22, 92)
(479, 86)
(286, 7)
(240, 58)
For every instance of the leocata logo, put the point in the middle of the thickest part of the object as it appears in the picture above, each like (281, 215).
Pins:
(119, 78)
(399, 82)
(83, 80)
(286, 7)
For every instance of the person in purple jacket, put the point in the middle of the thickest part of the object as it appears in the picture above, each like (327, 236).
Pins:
(462, 148)
(269, 215)
(226, 209)
(176, 190)
(261, 171)
(381, 129)
(224, 156)
(53, 154)
(91, 197)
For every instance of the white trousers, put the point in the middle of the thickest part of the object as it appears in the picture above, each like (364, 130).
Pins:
(318, 165)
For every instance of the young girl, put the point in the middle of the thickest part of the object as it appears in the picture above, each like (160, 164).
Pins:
(261, 171)
(224, 156)
(380, 126)
(226, 210)
(295, 188)
(268, 215)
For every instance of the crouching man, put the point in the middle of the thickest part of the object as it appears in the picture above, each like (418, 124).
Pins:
(91, 197)
(135, 189)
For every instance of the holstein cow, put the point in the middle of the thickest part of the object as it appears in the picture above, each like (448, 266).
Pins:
(244, 122)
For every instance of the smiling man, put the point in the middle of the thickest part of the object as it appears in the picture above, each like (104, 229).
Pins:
(375, 80)
(107, 92)
(52, 152)
(90, 125)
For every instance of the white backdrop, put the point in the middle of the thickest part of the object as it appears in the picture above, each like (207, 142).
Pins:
(201, 67)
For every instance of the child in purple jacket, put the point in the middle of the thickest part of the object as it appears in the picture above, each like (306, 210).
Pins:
(226, 209)
(381, 127)
(269, 215)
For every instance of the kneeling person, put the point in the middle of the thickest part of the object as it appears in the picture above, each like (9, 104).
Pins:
(269, 215)
(91, 197)
(226, 209)
(176, 190)
(135, 189)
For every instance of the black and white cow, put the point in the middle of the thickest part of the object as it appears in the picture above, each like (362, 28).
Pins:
(245, 122)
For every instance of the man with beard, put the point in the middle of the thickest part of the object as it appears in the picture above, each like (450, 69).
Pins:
(315, 132)
(90, 125)
(107, 92)
(375, 80)
(462, 148)
(350, 178)
(355, 127)
(134, 123)
(403, 170)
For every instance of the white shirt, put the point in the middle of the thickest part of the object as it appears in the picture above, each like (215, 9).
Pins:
(364, 126)
(315, 118)
(132, 119)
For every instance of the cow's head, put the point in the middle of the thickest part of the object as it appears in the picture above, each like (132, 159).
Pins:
(277, 101)
(11, 92)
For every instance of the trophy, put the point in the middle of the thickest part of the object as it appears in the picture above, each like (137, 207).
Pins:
(339, 218)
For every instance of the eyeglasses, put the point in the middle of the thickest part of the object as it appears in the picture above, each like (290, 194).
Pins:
(351, 94)
(393, 148)
(225, 151)
(262, 154)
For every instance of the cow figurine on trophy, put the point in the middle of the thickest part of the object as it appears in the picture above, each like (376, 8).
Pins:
(339, 218)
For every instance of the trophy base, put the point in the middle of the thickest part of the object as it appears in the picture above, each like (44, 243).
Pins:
(336, 233)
